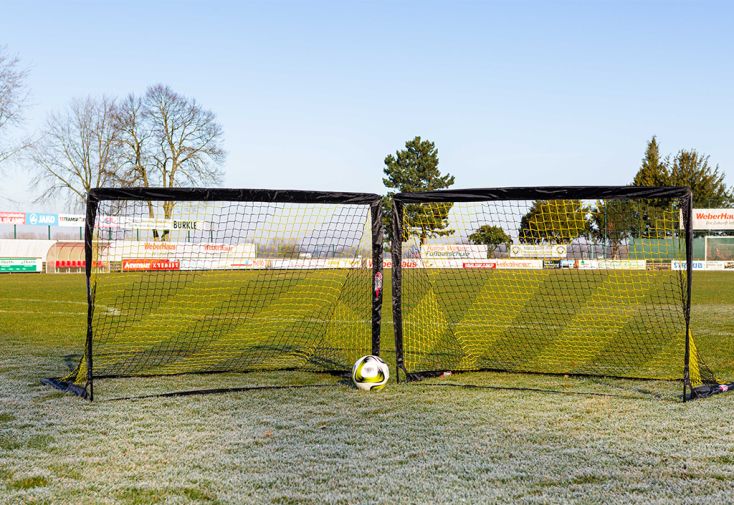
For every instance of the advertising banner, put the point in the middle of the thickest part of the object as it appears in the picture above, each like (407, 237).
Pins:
(555, 264)
(315, 263)
(719, 265)
(21, 264)
(138, 223)
(246, 264)
(712, 219)
(409, 263)
(108, 222)
(77, 221)
(140, 265)
(299, 264)
(704, 265)
(12, 217)
(513, 264)
(622, 264)
(146, 223)
(538, 251)
(215, 264)
(681, 265)
(587, 264)
(611, 264)
(71, 220)
(442, 263)
(505, 264)
(41, 219)
(182, 224)
(118, 249)
(490, 265)
(453, 251)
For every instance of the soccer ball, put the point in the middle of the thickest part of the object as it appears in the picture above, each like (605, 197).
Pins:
(370, 373)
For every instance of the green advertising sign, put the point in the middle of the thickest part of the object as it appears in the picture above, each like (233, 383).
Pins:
(20, 264)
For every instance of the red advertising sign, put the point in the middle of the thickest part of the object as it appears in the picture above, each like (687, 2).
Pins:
(141, 265)
(480, 264)
(12, 217)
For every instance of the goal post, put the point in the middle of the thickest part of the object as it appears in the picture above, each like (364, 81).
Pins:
(196, 280)
(556, 280)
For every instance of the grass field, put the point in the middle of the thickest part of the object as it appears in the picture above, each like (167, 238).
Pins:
(598, 441)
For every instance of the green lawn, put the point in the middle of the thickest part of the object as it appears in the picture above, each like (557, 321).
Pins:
(599, 440)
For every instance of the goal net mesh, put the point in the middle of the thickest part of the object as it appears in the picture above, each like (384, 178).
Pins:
(587, 286)
(228, 286)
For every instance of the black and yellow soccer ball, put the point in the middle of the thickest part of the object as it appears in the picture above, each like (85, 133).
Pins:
(370, 373)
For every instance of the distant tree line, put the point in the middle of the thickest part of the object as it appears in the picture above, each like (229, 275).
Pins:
(689, 168)
(616, 221)
(415, 169)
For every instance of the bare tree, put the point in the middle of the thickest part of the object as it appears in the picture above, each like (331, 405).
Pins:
(13, 99)
(168, 140)
(187, 139)
(134, 140)
(78, 150)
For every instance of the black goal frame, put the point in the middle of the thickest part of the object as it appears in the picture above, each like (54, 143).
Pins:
(96, 195)
(683, 193)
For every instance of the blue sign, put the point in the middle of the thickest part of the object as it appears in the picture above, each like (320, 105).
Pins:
(40, 219)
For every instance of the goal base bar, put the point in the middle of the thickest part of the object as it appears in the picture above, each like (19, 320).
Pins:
(66, 387)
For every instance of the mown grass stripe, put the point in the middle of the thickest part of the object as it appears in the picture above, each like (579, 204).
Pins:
(504, 298)
(652, 341)
(269, 338)
(118, 338)
(596, 323)
(545, 311)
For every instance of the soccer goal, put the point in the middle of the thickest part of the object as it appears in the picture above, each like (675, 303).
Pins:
(191, 281)
(556, 280)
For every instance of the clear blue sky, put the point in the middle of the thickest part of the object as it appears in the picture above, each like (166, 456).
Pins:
(313, 95)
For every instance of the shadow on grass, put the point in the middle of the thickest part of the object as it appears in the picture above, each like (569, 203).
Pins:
(214, 391)
(72, 361)
(642, 395)
(590, 386)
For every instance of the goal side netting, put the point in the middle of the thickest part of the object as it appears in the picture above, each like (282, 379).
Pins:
(184, 281)
(576, 280)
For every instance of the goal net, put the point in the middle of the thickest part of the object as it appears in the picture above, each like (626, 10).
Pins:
(580, 280)
(187, 281)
